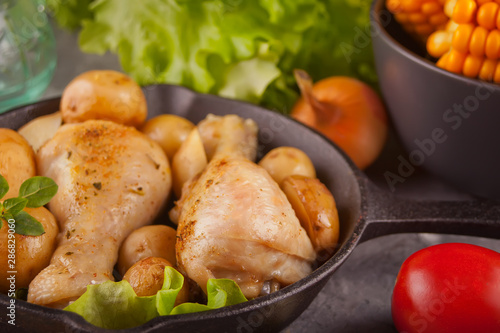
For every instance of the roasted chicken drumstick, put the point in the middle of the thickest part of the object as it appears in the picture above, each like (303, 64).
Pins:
(112, 179)
(235, 222)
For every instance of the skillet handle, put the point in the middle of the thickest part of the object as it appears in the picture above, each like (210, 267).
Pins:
(387, 214)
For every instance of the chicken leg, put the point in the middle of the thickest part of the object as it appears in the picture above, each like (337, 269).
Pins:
(112, 179)
(235, 222)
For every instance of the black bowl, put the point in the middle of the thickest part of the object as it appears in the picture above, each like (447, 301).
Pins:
(365, 212)
(448, 123)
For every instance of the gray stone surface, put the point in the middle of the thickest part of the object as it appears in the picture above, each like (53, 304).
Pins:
(358, 296)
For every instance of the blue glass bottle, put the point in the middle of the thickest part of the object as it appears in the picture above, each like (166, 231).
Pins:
(27, 52)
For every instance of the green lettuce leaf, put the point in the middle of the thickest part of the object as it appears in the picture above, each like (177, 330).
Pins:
(172, 284)
(114, 305)
(220, 293)
(234, 48)
(70, 13)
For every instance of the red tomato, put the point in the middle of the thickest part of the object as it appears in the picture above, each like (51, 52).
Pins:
(451, 288)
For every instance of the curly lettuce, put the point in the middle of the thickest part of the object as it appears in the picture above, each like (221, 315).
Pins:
(234, 48)
(70, 13)
(114, 305)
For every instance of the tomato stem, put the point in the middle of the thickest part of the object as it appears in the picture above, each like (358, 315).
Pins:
(324, 113)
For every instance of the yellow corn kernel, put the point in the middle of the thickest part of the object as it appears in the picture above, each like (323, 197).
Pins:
(394, 6)
(492, 49)
(411, 5)
(496, 75)
(472, 66)
(461, 37)
(424, 29)
(469, 42)
(449, 6)
(464, 11)
(443, 61)
(478, 41)
(429, 8)
(487, 71)
(438, 43)
(487, 15)
(497, 21)
(455, 61)
(438, 19)
(402, 18)
(417, 18)
(451, 26)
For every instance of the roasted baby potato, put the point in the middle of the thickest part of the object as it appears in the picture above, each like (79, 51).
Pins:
(147, 241)
(189, 160)
(104, 94)
(169, 131)
(315, 208)
(146, 278)
(31, 254)
(41, 129)
(146, 275)
(285, 161)
(17, 160)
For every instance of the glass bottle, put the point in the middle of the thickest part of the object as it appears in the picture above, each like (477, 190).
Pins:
(27, 52)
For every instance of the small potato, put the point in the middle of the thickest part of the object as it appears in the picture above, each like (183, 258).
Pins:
(169, 130)
(146, 278)
(284, 161)
(315, 208)
(104, 94)
(41, 129)
(32, 253)
(189, 160)
(149, 241)
(17, 160)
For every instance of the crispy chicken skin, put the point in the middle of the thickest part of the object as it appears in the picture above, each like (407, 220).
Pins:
(235, 222)
(112, 179)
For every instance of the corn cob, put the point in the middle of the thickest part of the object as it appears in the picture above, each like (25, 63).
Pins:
(420, 18)
(470, 43)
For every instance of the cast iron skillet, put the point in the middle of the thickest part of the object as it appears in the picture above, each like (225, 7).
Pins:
(365, 212)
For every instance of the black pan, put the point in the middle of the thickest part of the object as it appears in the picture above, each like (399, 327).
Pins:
(365, 212)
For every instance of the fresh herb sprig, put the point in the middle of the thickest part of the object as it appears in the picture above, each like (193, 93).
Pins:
(34, 192)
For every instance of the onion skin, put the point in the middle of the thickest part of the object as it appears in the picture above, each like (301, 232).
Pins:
(348, 112)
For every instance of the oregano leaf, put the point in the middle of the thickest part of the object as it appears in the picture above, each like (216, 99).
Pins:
(38, 190)
(27, 225)
(14, 205)
(4, 186)
(7, 216)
